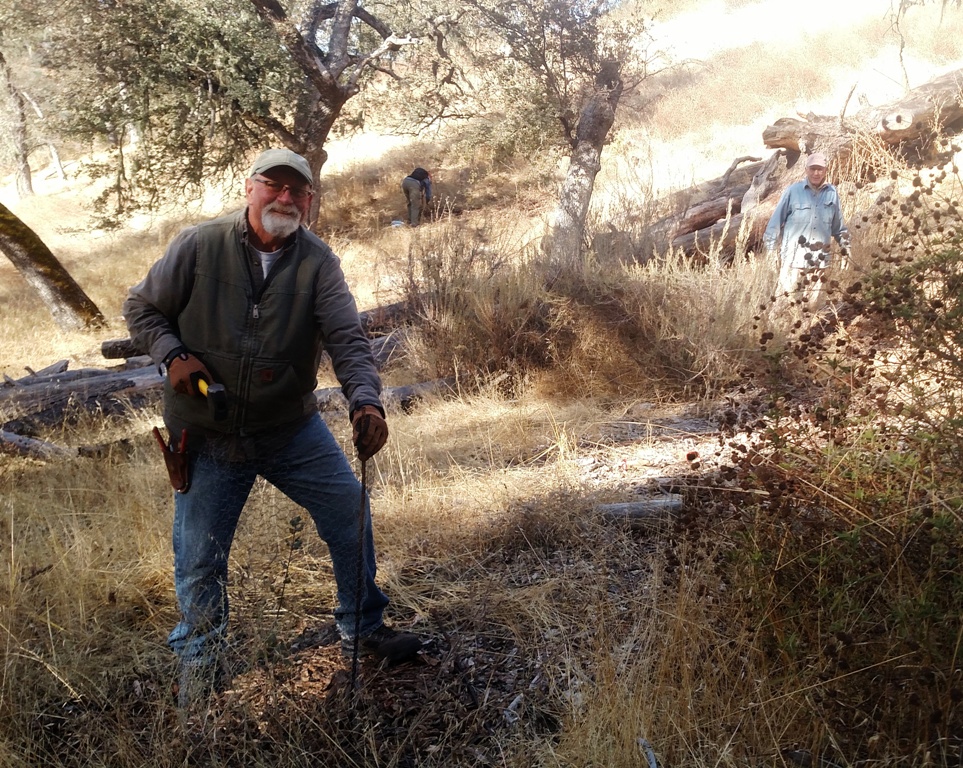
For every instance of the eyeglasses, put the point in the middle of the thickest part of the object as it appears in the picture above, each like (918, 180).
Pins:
(297, 193)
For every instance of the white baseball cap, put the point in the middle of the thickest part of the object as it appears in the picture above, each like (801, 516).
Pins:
(817, 159)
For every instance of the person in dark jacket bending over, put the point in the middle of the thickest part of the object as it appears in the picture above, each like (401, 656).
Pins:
(249, 301)
(417, 189)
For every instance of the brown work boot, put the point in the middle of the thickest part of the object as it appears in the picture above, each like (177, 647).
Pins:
(385, 643)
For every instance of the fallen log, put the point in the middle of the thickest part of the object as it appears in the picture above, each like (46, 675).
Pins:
(929, 109)
(714, 194)
(735, 164)
(803, 135)
(39, 400)
(909, 124)
(116, 349)
(772, 175)
(924, 112)
(11, 442)
(707, 213)
(722, 234)
(382, 347)
(646, 513)
(47, 400)
(385, 318)
(404, 397)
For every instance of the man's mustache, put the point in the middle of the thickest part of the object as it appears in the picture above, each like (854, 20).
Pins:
(277, 207)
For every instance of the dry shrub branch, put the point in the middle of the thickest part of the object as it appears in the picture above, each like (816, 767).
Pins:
(848, 565)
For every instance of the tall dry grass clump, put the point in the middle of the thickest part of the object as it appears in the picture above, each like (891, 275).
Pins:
(492, 304)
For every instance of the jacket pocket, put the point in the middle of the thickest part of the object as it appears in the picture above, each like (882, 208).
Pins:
(275, 395)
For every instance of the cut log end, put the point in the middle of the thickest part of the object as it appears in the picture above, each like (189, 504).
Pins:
(901, 125)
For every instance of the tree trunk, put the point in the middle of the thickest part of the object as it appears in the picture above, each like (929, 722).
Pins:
(55, 161)
(929, 109)
(722, 234)
(20, 148)
(333, 77)
(71, 308)
(563, 245)
(708, 212)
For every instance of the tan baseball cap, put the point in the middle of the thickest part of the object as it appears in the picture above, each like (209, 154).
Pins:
(273, 158)
(816, 159)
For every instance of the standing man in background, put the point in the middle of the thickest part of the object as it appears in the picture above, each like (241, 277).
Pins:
(807, 218)
(417, 188)
(248, 302)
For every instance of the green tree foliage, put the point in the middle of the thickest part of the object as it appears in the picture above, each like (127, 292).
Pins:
(517, 73)
(565, 45)
(582, 54)
(184, 92)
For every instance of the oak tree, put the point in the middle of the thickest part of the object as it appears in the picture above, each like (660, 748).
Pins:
(186, 91)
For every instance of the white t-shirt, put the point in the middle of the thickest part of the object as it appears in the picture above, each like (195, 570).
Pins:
(268, 259)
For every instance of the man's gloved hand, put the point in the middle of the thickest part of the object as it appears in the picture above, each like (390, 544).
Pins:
(184, 371)
(370, 431)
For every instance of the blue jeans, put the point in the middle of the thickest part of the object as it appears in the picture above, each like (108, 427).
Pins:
(312, 470)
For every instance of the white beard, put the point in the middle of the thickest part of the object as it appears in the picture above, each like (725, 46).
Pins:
(275, 221)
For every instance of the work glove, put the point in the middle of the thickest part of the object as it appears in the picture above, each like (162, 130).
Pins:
(370, 431)
(185, 371)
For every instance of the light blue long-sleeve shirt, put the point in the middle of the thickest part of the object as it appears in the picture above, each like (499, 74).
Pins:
(806, 219)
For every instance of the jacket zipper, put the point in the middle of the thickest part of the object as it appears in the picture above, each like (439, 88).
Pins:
(247, 360)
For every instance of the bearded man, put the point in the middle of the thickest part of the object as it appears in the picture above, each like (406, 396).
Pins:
(248, 302)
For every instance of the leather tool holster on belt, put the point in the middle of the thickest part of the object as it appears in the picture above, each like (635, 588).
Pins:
(175, 459)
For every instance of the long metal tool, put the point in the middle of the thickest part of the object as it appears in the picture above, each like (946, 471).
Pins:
(359, 577)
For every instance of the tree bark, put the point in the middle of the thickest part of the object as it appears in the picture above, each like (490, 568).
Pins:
(645, 514)
(708, 212)
(71, 308)
(37, 401)
(10, 442)
(405, 397)
(563, 244)
(927, 110)
(55, 160)
(721, 234)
